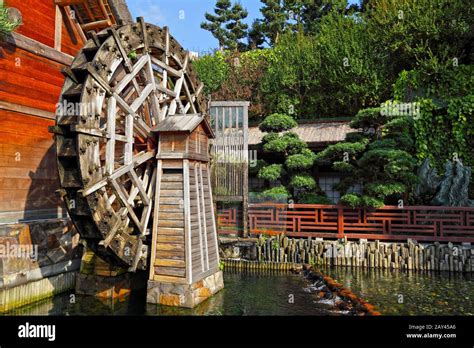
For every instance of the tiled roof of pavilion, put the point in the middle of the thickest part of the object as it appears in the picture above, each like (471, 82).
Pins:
(313, 133)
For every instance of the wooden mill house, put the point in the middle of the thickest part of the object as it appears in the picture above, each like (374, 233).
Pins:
(31, 63)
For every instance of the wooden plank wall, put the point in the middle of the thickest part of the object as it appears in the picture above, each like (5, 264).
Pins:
(28, 175)
(170, 246)
(204, 249)
(29, 90)
(198, 142)
(29, 80)
(38, 24)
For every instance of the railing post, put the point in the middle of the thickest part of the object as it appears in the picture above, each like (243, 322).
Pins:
(340, 221)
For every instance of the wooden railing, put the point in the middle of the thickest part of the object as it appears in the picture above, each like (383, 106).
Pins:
(424, 223)
(228, 221)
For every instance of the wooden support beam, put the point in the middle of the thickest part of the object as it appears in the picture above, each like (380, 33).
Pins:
(96, 25)
(38, 48)
(68, 2)
(156, 210)
(137, 160)
(187, 222)
(126, 60)
(73, 23)
(27, 110)
(170, 70)
(58, 26)
(104, 11)
(203, 217)
(110, 147)
(214, 225)
(199, 219)
(142, 24)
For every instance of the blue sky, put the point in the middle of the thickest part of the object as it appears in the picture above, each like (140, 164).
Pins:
(184, 17)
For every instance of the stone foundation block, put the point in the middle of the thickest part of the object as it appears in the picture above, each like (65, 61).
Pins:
(184, 295)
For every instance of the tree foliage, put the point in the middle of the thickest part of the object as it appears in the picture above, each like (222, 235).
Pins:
(381, 161)
(232, 75)
(291, 159)
(7, 25)
(226, 24)
(277, 123)
(213, 70)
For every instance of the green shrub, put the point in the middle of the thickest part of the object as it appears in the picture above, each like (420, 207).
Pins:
(303, 182)
(270, 137)
(371, 202)
(271, 172)
(382, 190)
(337, 151)
(212, 71)
(277, 123)
(253, 170)
(342, 166)
(290, 156)
(351, 200)
(277, 194)
(288, 144)
(301, 161)
(368, 118)
(313, 198)
(276, 144)
(294, 145)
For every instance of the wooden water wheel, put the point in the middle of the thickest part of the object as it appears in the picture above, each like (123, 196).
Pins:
(122, 83)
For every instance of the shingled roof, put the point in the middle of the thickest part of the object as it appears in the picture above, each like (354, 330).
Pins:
(312, 133)
(183, 123)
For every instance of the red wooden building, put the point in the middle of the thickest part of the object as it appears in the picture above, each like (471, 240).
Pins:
(31, 60)
(31, 213)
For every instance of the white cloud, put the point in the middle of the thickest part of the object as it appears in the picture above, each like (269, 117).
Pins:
(150, 11)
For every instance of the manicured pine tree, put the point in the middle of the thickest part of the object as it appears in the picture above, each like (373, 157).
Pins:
(288, 174)
(227, 25)
(379, 156)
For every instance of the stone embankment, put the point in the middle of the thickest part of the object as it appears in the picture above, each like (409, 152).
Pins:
(410, 255)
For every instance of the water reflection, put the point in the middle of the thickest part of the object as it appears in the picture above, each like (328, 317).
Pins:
(244, 294)
(392, 292)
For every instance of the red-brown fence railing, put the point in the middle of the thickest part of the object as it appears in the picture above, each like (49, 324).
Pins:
(424, 223)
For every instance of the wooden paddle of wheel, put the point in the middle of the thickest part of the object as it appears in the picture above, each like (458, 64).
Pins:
(121, 84)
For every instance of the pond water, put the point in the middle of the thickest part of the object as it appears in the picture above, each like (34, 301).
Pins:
(287, 294)
(244, 294)
(409, 293)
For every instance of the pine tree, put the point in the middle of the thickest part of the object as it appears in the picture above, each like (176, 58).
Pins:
(237, 29)
(214, 22)
(227, 25)
(256, 37)
(274, 19)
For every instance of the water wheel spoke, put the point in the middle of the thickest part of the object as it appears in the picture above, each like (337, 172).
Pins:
(136, 161)
(123, 196)
(129, 77)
